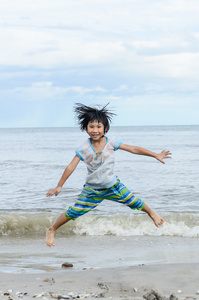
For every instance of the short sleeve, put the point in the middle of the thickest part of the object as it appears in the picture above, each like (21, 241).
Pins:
(116, 144)
(80, 152)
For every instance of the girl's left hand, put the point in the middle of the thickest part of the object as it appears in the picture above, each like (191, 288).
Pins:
(52, 192)
(162, 155)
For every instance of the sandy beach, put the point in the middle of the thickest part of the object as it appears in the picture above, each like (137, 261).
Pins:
(106, 283)
(103, 267)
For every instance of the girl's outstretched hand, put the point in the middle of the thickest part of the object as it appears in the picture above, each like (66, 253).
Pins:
(162, 155)
(52, 192)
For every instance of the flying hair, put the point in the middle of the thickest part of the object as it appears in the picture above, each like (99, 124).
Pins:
(86, 114)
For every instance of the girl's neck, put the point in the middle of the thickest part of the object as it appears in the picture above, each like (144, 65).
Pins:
(99, 144)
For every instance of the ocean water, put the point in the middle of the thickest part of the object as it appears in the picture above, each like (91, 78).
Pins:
(33, 160)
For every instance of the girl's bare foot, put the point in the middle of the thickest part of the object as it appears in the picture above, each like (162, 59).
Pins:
(50, 233)
(156, 219)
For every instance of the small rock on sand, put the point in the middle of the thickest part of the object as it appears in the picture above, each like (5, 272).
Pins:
(154, 295)
(67, 265)
(173, 297)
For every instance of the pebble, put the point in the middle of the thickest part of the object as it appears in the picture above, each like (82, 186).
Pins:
(154, 295)
(173, 297)
(59, 296)
(55, 296)
(103, 286)
(19, 294)
(49, 280)
(64, 297)
(67, 265)
(39, 295)
(46, 280)
(86, 295)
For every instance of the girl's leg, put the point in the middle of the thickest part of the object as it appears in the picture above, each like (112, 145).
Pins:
(82, 206)
(153, 215)
(122, 194)
(52, 229)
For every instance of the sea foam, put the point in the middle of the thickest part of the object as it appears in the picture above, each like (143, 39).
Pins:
(181, 224)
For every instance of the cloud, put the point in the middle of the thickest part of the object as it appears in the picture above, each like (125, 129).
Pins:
(45, 91)
(139, 52)
(31, 48)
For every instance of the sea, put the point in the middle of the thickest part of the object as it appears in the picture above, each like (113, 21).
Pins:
(32, 161)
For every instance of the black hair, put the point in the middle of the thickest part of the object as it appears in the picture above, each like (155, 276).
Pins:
(86, 114)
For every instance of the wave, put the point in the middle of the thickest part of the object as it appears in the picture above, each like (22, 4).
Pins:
(26, 224)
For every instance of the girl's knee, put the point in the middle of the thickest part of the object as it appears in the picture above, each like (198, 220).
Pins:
(137, 204)
(73, 213)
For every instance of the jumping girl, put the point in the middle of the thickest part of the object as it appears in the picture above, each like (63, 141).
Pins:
(97, 152)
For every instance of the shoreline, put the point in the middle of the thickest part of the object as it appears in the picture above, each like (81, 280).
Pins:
(126, 282)
(31, 255)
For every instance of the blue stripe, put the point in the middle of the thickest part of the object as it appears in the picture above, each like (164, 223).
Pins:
(116, 148)
(78, 155)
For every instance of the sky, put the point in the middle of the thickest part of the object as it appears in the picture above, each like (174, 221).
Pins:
(141, 57)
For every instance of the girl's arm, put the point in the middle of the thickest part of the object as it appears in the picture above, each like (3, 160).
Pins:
(68, 171)
(141, 151)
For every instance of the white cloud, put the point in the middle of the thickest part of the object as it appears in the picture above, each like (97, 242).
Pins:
(99, 50)
(48, 49)
(181, 65)
(45, 91)
(45, 84)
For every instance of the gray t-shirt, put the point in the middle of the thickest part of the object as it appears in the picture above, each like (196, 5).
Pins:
(100, 165)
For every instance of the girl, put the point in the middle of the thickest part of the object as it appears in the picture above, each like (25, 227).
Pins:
(97, 152)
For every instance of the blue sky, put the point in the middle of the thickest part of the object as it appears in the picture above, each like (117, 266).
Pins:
(141, 56)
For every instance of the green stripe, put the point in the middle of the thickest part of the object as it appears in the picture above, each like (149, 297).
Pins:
(93, 198)
(95, 191)
(86, 203)
(79, 209)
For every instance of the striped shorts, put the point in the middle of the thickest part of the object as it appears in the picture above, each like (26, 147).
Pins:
(91, 198)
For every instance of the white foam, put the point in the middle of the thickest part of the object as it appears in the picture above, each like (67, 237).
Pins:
(134, 226)
(185, 225)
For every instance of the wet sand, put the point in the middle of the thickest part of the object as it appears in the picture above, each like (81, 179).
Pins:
(30, 254)
(128, 282)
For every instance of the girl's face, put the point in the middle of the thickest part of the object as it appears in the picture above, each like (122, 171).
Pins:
(95, 130)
